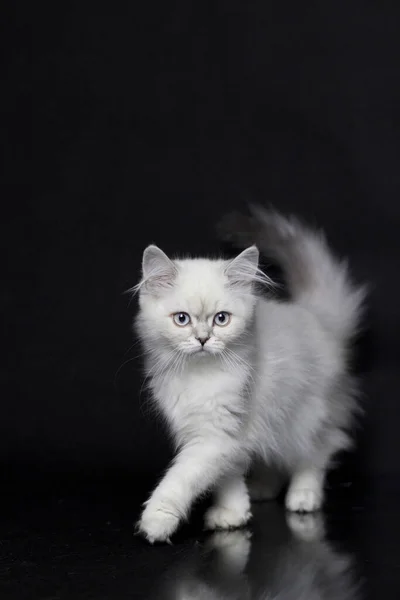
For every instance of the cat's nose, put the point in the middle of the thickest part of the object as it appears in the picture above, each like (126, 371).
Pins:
(202, 340)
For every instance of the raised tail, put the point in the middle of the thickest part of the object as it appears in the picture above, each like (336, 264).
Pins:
(316, 279)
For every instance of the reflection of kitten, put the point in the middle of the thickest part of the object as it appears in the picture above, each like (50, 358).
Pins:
(213, 572)
(293, 560)
(284, 563)
(242, 380)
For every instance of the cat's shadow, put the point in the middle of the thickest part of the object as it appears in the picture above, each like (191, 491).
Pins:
(284, 557)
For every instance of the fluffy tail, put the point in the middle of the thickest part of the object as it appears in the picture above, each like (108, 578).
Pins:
(316, 278)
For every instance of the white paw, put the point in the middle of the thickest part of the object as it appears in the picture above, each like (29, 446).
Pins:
(303, 500)
(219, 517)
(157, 523)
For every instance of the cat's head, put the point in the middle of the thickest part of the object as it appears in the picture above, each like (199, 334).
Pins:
(196, 306)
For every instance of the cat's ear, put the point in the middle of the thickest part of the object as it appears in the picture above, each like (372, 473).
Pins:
(158, 270)
(243, 270)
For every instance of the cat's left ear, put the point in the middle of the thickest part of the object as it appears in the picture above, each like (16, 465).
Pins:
(158, 270)
(243, 269)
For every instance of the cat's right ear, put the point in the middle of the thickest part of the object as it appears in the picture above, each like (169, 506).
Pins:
(158, 270)
(243, 270)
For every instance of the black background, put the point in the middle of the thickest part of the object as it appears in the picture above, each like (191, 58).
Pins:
(131, 123)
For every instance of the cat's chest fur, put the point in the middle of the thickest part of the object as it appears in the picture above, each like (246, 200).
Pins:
(205, 398)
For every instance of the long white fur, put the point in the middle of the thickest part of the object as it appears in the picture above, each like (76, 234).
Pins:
(268, 395)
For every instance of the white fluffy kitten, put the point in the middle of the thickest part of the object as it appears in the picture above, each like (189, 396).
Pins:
(248, 385)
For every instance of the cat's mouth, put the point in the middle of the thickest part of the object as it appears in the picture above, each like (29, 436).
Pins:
(200, 351)
(206, 351)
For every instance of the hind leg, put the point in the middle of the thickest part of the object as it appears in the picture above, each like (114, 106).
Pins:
(306, 488)
(264, 482)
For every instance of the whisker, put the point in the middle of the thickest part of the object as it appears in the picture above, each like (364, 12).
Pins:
(124, 364)
(135, 343)
(156, 369)
(181, 362)
(175, 363)
(240, 362)
(240, 359)
(229, 361)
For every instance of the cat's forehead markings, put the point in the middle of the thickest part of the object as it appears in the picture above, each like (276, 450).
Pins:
(200, 307)
(197, 306)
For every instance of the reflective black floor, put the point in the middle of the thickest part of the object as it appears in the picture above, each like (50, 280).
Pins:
(77, 541)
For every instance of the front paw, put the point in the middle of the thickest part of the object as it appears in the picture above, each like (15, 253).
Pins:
(158, 522)
(303, 500)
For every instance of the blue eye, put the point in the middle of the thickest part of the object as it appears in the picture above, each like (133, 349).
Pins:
(222, 319)
(181, 319)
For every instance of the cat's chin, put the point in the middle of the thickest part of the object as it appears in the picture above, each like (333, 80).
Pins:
(207, 353)
(202, 353)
